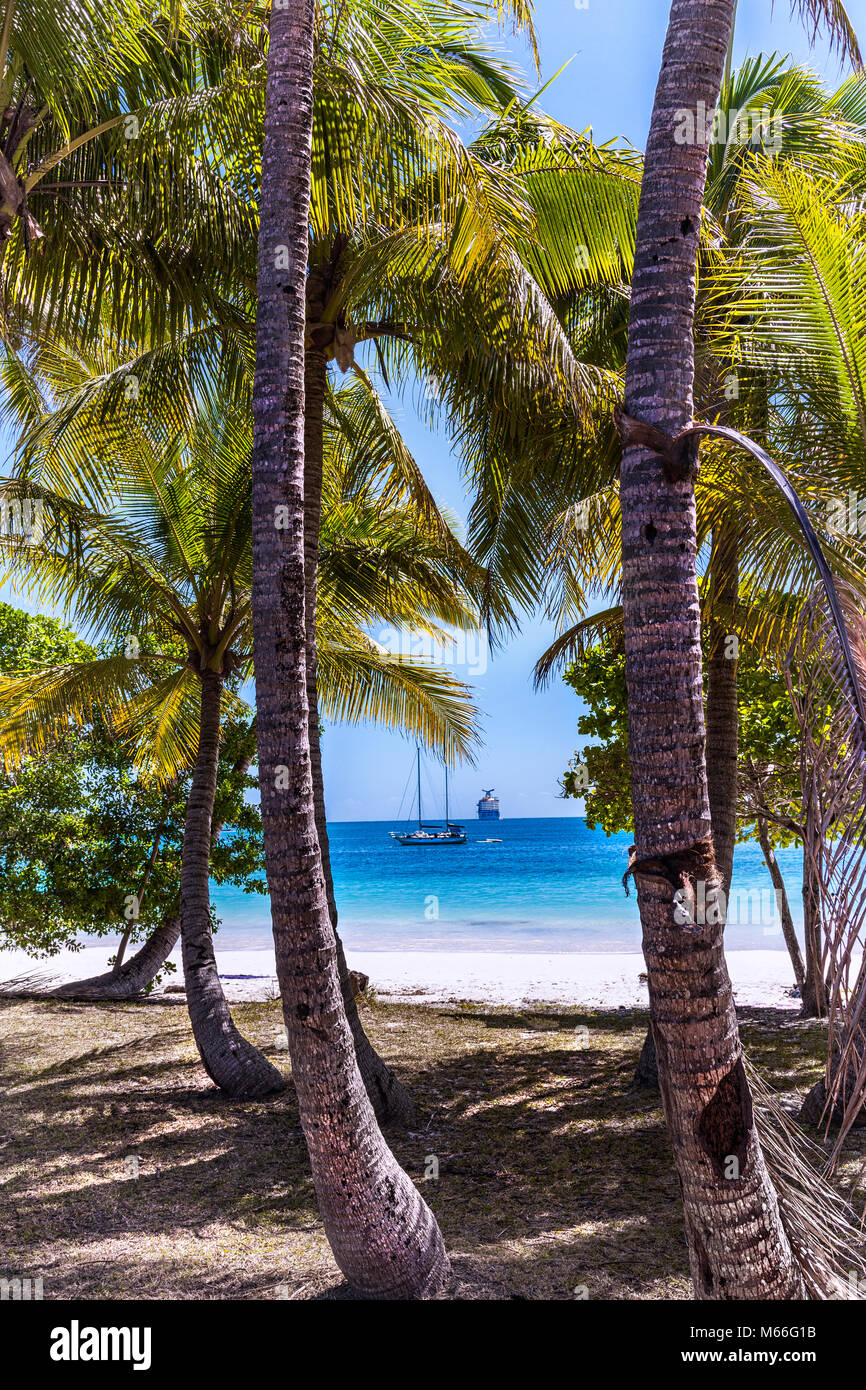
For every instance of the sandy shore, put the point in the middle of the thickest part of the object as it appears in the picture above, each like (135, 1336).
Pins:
(760, 978)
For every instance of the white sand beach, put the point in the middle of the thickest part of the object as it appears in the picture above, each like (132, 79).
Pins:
(760, 978)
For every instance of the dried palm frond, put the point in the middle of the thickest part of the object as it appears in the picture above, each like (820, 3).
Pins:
(830, 16)
(28, 984)
(833, 780)
(823, 1231)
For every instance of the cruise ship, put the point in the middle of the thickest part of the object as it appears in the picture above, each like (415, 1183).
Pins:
(488, 806)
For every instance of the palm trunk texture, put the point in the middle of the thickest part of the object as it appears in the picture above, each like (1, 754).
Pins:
(134, 975)
(229, 1059)
(738, 1247)
(722, 727)
(390, 1100)
(383, 1235)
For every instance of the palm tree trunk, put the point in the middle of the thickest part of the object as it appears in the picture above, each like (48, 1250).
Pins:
(814, 1108)
(134, 975)
(738, 1247)
(815, 985)
(391, 1102)
(230, 1061)
(646, 1073)
(384, 1237)
(722, 711)
(140, 970)
(778, 881)
(722, 732)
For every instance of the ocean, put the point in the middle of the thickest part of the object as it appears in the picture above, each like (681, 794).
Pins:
(550, 885)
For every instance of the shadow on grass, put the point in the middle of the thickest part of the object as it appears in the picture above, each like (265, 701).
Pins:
(552, 1175)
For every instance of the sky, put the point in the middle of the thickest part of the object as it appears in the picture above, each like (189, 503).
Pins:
(528, 737)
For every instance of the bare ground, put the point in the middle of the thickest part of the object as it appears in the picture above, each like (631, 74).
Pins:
(125, 1174)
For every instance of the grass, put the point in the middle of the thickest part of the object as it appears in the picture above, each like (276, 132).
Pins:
(125, 1174)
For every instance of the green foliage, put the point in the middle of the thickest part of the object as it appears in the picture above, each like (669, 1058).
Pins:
(29, 640)
(768, 753)
(768, 745)
(77, 832)
(78, 824)
(601, 777)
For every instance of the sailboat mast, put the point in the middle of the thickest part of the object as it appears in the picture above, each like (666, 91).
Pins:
(418, 751)
(446, 796)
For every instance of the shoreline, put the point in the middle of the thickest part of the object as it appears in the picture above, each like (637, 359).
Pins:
(585, 979)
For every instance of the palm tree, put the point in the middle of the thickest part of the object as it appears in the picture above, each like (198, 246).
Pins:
(384, 1236)
(709, 1124)
(357, 206)
(354, 77)
(382, 562)
(738, 1244)
(353, 74)
(799, 279)
(770, 116)
(767, 109)
(175, 577)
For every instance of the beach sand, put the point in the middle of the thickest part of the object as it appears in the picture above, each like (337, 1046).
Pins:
(760, 978)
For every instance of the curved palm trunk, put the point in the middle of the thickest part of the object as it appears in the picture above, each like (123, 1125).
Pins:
(230, 1061)
(134, 975)
(391, 1102)
(738, 1247)
(384, 1237)
(815, 985)
(781, 891)
(722, 711)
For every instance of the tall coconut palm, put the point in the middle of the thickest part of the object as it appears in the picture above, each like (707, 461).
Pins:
(371, 94)
(770, 115)
(383, 1235)
(419, 174)
(767, 110)
(330, 1092)
(372, 65)
(171, 578)
(179, 569)
(738, 1245)
(711, 1124)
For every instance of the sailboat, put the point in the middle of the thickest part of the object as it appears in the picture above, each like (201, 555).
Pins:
(428, 833)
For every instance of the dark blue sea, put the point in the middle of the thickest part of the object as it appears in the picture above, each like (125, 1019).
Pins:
(550, 885)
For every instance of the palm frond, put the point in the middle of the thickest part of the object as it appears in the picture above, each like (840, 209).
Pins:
(425, 702)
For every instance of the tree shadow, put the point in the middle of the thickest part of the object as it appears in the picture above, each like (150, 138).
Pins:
(550, 1175)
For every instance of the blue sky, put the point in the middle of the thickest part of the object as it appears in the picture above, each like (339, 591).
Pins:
(615, 46)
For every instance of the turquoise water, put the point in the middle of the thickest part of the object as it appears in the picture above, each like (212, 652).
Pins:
(551, 885)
